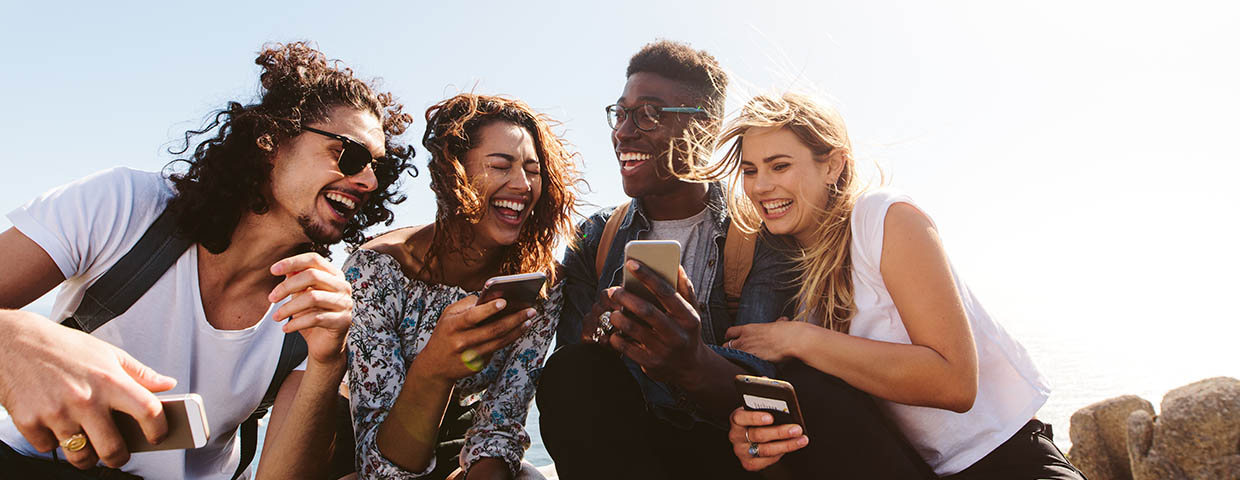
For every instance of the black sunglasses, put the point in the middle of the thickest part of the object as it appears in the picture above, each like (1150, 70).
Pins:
(354, 157)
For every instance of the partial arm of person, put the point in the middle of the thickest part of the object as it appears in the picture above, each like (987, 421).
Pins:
(298, 443)
(938, 369)
(580, 284)
(669, 346)
(498, 431)
(51, 395)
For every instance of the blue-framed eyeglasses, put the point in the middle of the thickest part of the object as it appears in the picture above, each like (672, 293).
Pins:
(646, 117)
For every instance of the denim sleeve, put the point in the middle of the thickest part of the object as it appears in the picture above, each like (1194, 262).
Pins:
(769, 290)
(580, 279)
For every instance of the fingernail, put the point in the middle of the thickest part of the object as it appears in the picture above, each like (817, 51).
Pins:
(631, 265)
(277, 268)
(795, 430)
(500, 304)
(527, 324)
(803, 441)
(529, 313)
(767, 419)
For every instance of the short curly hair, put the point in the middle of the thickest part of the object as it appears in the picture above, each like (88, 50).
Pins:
(451, 130)
(228, 174)
(697, 70)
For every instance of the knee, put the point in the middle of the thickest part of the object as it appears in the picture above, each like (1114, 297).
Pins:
(571, 373)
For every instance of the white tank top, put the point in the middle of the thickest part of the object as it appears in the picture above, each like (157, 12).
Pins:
(1010, 388)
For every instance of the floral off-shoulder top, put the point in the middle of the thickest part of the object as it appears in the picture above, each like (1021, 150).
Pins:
(393, 317)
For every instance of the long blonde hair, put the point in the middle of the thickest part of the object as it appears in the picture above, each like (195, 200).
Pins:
(824, 268)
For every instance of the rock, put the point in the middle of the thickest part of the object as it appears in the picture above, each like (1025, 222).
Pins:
(1196, 435)
(1099, 432)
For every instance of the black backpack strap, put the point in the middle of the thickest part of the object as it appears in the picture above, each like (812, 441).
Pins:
(131, 276)
(292, 353)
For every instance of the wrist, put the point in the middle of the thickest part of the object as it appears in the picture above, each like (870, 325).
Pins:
(421, 373)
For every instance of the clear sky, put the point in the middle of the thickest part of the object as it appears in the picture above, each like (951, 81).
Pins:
(1077, 156)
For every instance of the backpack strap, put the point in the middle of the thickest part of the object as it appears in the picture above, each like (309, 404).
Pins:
(127, 280)
(292, 353)
(609, 234)
(738, 250)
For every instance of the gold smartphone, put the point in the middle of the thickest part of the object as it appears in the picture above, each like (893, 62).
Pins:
(776, 397)
(187, 425)
(662, 256)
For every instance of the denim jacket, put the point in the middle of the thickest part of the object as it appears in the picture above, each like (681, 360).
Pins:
(766, 295)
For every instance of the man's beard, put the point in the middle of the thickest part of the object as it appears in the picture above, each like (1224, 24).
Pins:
(318, 233)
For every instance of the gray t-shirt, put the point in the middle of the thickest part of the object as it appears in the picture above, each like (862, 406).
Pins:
(694, 234)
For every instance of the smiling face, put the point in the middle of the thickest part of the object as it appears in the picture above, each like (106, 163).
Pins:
(307, 184)
(642, 155)
(786, 183)
(505, 168)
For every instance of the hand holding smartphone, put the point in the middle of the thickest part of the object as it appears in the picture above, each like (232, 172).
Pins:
(776, 397)
(520, 291)
(187, 425)
(662, 256)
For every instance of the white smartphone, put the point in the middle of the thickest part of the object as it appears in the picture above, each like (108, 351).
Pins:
(662, 256)
(187, 425)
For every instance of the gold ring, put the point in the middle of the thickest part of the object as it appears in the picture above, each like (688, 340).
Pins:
(472, 360)
(74, 443)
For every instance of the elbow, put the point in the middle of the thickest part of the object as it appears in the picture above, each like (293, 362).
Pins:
(960, 397)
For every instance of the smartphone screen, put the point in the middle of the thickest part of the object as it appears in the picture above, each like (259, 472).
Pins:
(776, 397)
(662, 256)
(187, 425)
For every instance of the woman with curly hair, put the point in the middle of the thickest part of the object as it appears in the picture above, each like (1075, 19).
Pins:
(421, 344)
(881, 310)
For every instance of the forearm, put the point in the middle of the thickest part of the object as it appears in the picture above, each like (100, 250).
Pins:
(408, 435)
(903, 373)
(301, 447)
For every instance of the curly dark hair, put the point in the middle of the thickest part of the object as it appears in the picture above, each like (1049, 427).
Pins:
(229, 173)
(451, 130)
(697, 70)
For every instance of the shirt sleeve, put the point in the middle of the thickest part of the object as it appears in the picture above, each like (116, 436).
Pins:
(91, 222)
(580, 280)
(376, 367)
(499, 425)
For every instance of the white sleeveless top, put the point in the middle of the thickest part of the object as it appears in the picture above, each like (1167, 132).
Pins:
(1010, 388)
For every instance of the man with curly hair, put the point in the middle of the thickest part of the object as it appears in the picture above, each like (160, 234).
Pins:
(650, 398)
(311, 163)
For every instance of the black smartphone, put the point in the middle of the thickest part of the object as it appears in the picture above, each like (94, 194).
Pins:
(776, 397)
(520, 291)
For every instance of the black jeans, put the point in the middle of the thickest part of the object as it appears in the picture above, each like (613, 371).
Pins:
(14, 465)
(849, 437)
(1030, 454)
(595, 425)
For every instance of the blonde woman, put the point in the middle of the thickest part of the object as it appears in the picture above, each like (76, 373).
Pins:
(880, 308)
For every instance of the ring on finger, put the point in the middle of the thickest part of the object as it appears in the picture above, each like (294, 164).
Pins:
(74, 443)
(753, 450)
(747, 440)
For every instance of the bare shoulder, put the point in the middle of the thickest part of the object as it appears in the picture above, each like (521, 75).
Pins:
(407, 245)
(903, 219)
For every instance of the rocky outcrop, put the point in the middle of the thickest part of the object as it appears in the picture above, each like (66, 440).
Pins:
(1099, 437)
(1196, 435)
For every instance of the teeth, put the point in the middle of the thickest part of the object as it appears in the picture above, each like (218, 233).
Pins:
(776, 206)
(343, 200)
(633, 157)
(509, 204)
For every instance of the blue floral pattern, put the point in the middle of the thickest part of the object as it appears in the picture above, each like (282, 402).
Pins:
(393, 318)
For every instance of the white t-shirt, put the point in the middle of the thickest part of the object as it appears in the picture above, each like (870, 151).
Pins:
(86, 226)
(1010, 388)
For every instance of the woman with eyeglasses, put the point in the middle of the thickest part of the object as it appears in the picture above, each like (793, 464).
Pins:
(429, 363)
(880, 309)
